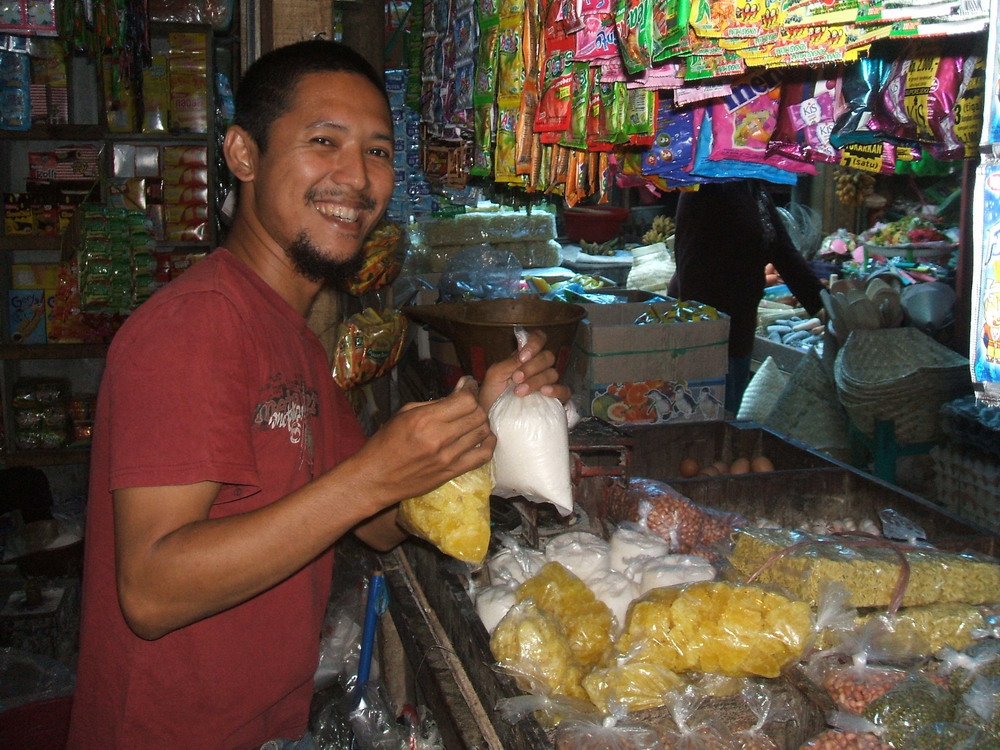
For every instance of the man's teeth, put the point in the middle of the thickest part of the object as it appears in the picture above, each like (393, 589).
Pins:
(339, 212)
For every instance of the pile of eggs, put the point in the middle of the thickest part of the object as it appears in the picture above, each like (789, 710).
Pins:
(690, 467)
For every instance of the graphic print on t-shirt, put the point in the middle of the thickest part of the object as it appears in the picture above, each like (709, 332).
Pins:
(288, 404)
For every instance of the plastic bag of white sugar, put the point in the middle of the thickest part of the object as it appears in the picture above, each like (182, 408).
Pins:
(531, 458)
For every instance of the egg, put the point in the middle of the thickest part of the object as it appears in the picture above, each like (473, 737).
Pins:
(722, 467)
(740, 466)
(689, 467)
(709, 471)
(761, 464)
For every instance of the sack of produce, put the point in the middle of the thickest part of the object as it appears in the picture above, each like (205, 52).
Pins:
(635, 685)
(594, 733)
(980, 705)
(455, 517)
(963, 668)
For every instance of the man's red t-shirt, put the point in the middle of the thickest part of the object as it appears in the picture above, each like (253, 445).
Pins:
(214, 378)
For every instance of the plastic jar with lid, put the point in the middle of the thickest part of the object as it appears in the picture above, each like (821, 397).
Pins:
(652, 268)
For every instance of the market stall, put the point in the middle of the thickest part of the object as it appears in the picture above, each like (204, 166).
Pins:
(543, 560)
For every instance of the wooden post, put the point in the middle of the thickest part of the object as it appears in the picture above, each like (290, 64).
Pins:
(293, 21)
(364, 28)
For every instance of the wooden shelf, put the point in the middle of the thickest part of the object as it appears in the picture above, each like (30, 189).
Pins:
(57, 133)
(51, 457)
(53, 351)
(32, 242)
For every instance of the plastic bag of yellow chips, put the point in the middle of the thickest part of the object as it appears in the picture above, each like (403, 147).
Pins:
(455, 517)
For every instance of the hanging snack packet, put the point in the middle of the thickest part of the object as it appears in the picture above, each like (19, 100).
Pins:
(368, 345)
(634, 20)
(484, 94)
(669, 28)
(861, 122)
(556, 104)
(673, 144)
(597, 39)
(811, 101)
(742, 123)
(531, 458)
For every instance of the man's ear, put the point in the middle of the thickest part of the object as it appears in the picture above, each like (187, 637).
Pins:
(240, 151)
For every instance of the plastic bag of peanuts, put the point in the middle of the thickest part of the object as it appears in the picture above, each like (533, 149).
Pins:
(861, 668)
(687, 527)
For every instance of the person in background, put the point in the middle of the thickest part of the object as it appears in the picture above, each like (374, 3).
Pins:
(725, 235)
(225, 460)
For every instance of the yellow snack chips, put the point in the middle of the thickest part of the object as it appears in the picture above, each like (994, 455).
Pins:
(587, 621)
(455, 517)
(717, 627)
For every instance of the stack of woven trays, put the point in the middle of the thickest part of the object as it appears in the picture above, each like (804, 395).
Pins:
(900, 375)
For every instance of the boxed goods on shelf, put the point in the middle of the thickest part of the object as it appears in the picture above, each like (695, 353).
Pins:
(657, 372)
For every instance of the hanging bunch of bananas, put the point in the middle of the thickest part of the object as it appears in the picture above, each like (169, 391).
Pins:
(663, 227)
(853, 186)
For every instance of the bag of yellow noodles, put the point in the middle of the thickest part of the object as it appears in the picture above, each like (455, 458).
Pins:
(455, 517)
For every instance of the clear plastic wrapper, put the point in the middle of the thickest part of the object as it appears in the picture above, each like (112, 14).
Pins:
(936, 626)
(632, 542)
(514, 562)
(947, 735)
(531, 644)
(479, 272)
(913, 702)
(655, 505)
(609, 733)
(724, 628)
(494, 602)
(531, 458)
(635, 685)
(382, 252)
(455, 517)
(866, 664)
(963, 668)
(766, 708)
(871, 569)
(694, 730)
(838, 739)
(617, 591)
(368, 345)
(580, 552)
(980, 705)
(587, 622)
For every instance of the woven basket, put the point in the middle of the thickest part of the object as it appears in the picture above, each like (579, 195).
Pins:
(887, 355)
(808, 409)
(762, 392)
(900, 375)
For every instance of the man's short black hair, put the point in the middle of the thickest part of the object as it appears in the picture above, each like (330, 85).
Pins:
(265, 91)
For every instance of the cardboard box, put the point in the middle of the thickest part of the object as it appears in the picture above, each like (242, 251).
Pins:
(26, 316)
(655, 401)
(648, 374)
(34, 275)
(611, 348)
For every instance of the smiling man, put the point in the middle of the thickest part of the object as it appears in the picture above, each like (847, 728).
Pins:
(226, 463)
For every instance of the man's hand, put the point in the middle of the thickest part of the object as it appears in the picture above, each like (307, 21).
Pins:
(531, 368)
